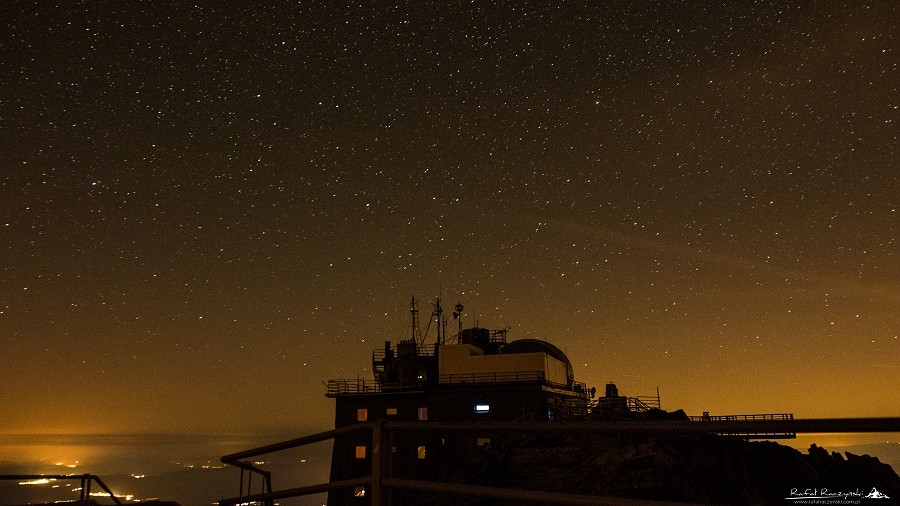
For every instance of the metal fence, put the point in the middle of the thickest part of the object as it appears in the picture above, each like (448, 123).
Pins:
(86, 481)
(353, 386)
(492, 377)
(772, 434)
(361, 386)
(720, 418)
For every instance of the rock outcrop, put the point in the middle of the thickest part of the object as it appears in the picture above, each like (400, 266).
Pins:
(708, 469)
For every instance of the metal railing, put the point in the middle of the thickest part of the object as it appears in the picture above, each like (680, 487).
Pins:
(511, 377)
(492, 377)
(352, 386)
(643, 403)
(361, 386)
(380, 482)
(721, 418)
(756, 417)
(425, 350)
(252, 469)
(497, 336)
(86, 481)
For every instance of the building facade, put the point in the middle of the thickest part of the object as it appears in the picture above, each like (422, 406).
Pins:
(478, 377)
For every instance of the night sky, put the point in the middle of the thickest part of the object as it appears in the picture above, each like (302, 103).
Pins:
(208, 210)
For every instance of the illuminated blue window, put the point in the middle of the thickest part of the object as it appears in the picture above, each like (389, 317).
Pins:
(482, 408)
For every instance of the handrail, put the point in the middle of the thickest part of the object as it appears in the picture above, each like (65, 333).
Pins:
(353, 386)
(293, 443)
(766, 416)
(86, 480)
(360, 386)
(423, 350)
(648, 401)
(705, 418)
(491, 377)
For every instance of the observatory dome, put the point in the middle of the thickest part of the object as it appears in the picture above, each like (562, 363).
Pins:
(536, 345)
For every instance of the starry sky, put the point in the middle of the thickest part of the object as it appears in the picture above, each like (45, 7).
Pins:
(207, 210)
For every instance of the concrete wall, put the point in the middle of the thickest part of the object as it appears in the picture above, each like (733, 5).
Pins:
(556, 371)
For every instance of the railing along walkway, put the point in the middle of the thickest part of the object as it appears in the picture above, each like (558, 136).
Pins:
(86, 481)
(750, 435)
(351, 386)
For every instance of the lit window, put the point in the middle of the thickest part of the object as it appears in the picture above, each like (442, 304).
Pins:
(483, 441)
(482, 408)
(359, 492)
(362, 415)
(421, 452)
(422, 375)
(423, 413)
(360, 452)
(391, 411)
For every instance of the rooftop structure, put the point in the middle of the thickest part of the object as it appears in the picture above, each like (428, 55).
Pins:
(475, 375)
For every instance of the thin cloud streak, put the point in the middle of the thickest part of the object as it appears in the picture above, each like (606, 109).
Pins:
(832, 283)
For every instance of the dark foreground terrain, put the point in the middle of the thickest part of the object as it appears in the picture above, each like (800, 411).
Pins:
(691, 469)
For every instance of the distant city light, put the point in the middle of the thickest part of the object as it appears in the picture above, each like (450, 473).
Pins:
(42, 481)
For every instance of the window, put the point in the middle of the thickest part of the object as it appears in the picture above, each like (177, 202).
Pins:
(360, 452)
(391, 411)
(482, 408)
(359, 492)
(421, 452)
(483, 441)
(423, 413)
(362, 414)
(422, 374)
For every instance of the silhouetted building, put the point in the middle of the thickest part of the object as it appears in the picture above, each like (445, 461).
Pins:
(475, 375)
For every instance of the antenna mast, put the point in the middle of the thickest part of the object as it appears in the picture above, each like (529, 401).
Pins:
(457, 315)
(441, 321)
(416, 331)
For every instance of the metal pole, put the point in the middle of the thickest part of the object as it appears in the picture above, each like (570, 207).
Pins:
(292, 443)
(376, 464)
(381, 464)
(105, 488)
(387, 455)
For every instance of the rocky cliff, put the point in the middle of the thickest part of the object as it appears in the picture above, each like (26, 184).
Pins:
(707, 469)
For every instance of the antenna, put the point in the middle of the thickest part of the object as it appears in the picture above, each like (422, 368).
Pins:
(441, 322)
(457, 315)
(436, 315)
(414, 314)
